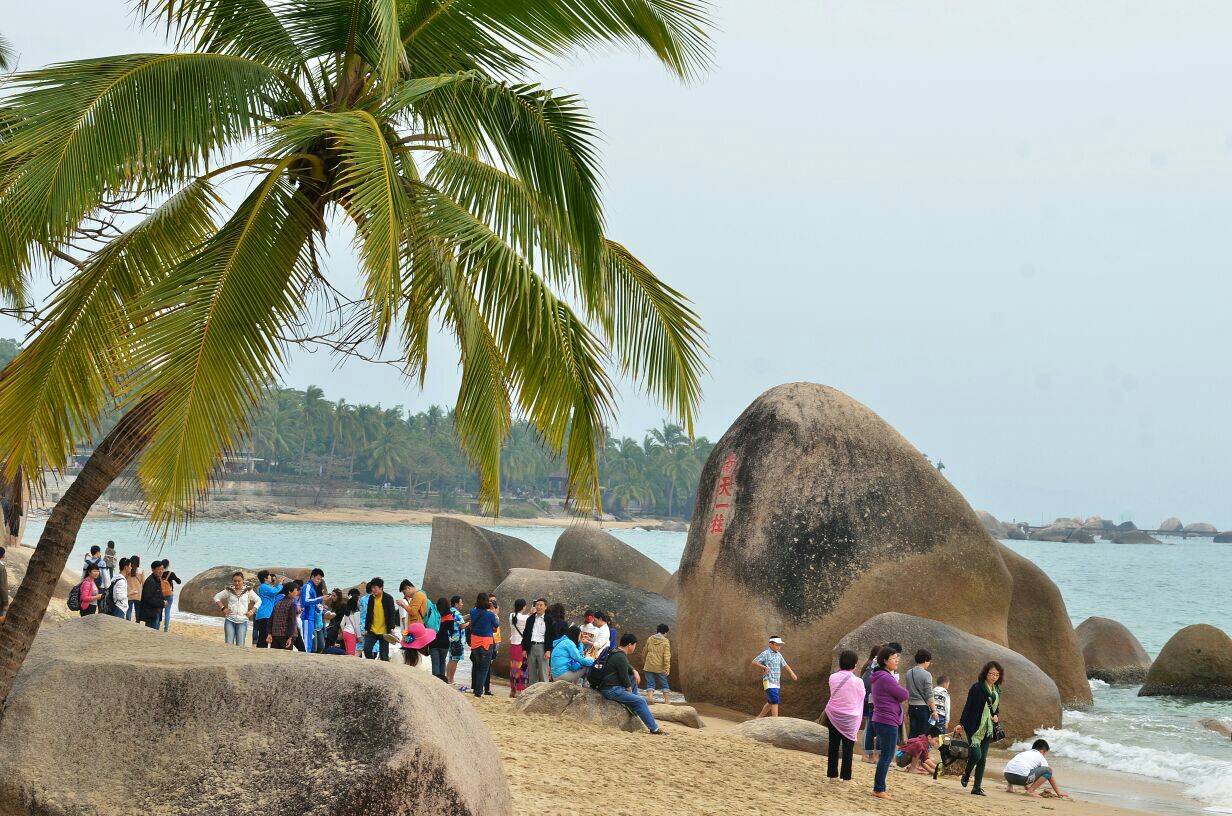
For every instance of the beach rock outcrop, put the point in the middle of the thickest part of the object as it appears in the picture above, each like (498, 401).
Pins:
(787, 732)
(571, 701)
(1171, 525)
(588, 550)
(1000, 529)
(679, 714)
(1040, 630)
(1201, 527)
(465, 560)
(633, 610)
(215, 729)
(1063, 531)
(1195, 662)
(809, 508)
(1029, 700)
(1131, 537)
(197, 593)
(1223, 538)
(17, 559)
(1111, 652)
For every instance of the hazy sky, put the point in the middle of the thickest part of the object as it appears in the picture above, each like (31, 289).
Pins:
(1003, 227)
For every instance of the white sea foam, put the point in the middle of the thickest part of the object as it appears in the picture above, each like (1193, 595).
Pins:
(1208, 780)
(1096, 684)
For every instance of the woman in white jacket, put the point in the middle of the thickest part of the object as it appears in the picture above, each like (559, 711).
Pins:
(239, 604)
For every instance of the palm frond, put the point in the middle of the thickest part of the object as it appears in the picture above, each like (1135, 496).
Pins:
(8, 57)
(245, 28)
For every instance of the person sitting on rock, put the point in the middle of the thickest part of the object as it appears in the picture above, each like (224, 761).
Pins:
(1030, 770)
(568, 662)
(617, 682)
(771, 662)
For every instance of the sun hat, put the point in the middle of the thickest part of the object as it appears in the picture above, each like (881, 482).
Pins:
(417, 636)
(777, 639)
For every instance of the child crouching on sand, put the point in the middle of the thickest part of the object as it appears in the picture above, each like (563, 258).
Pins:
(1029, 770)
(916, 752)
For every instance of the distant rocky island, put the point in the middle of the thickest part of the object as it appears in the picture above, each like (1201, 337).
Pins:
(1086, 530)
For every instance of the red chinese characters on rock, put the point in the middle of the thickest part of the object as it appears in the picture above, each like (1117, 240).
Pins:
(723, 496)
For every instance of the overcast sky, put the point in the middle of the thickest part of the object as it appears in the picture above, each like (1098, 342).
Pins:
(1003, 227)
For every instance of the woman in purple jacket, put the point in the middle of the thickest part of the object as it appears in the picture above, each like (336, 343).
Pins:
(888, 698)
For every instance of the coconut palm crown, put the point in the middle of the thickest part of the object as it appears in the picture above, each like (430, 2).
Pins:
(471, 194)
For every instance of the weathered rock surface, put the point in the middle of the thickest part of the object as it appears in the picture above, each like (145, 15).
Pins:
(1111, 651)
(1063, 531)
(17, 559)
(809, 507)
(1127, 525)
(1220, 727)
(1131, 537)
(588, 550)
(999, 529)
(671, 588)
(1224, 538)
(1201, 527)
(679, 714)
(633, 610)
(787, 732)
(215, 729)
(197, 593)
(1040, 630)
(1195, 662)
(571, 701)
(1029, 698)
(465, 560)
(1171, 525)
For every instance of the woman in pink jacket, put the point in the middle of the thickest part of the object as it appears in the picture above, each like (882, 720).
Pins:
(89, 590)
(843, 713)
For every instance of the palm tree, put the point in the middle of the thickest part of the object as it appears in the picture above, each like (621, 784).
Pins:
(8, 57)
(471, 194)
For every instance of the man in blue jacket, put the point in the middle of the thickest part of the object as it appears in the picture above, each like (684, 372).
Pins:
(269, 590)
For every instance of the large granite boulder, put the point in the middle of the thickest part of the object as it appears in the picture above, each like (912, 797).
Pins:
(1029, 698)
(1171, 525)
(787, 732)
(586, 549)
(1111, 652)
(215, 729)
(671, 587)
(1195, 662)
(1131, 537)
(17, 559)
(571, 701)
(197, 593)
(1201, 527)
(466, 560)
(633, 610)
(1040, 629)
(812, 516)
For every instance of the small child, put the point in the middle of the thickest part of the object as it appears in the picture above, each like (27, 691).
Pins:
(1030, 769)
(771, 662)
(941, 701)
(915, 753)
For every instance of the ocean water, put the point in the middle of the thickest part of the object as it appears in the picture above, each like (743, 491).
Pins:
(1153, 589)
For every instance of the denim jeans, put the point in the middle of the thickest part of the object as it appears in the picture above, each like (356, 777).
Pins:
(481, 669)
(116, 611)
(235, 633)
(438, 661)
(371, 642)
(634, 701)
(167, 613)
(887, 738)
(132, 609)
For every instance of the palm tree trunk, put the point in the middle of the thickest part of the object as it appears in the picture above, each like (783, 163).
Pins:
(118, 450)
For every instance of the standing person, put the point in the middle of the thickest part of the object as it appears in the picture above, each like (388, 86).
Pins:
(268, 591)
(536, 637)
(382, 617)
(517, 647)
(438, 650)
(152, 601)
(843, 712)
(888, 699)
(771, 662)
(414, 602)
(238, 604)
(170, 579)
(351, 626)
(90, 593)
(617, 682)
(494, 649)
(136, 583)
(587, 628)
(457, 638)
(95, 559)
(310, 599)
(658, 663)
(980, 721)
(482, 628)
(110, 563)
(941, 701)
(4, 587)
(866, 676)
(569, 662)
(557, 625)
(118, 591)
(284, 620)
(920, 705)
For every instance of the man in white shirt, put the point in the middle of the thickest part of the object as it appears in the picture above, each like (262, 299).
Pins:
(119, 590)
(533, 642)
(1029, 770)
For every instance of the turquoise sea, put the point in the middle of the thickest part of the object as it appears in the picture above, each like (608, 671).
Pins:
(1153, 589)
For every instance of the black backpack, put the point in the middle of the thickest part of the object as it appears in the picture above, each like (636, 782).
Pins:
(74, 598)
(106, 604)
(594, 675)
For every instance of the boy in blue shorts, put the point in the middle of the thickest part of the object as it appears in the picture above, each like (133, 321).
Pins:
(771, 662)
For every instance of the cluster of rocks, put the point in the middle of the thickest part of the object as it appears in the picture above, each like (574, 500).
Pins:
(243, 510)
(1000, 529)
(1111, 652)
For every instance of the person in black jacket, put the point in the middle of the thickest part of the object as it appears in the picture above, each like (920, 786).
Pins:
(980, 719)
(376, 634)
(152, 601)
(557, 625)
(535, 644)
(618, 682)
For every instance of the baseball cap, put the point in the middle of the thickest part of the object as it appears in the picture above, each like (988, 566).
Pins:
(776, 639)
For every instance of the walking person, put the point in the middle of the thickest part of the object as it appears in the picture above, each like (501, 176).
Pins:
(482, 629)
(618, 682)
(771, 662)
(170, 580)
(920, 705)
(843, 711)
(888, 699)
(981, 722)
(518, 620)
(535, 643)
(153, 602)
(284, 620)
(379, 622)
(238, 604)
(438, 650)
(569, 663)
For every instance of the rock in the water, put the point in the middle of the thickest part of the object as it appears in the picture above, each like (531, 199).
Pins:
(1111, 651)
(197, 594)
(571, 701)
(1127, 525)
(1029, 698)
(1040, 629)
(999, 529)
(809, 508)
(1015, 533)
(1220, 727)
(1201, 527)
(1063, 531)
(679, 714)
(1171, 525)
(1195, 662)
(633, 610)
(1223, 538)
(465, 560)
(215, 729)
(787, 732)
(671, 588)
(1131, 537)
(588, 550)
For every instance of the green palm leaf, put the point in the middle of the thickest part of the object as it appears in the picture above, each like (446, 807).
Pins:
(245, 28)
(8, 57)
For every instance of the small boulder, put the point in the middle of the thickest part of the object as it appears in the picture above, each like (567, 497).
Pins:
(465, 560)
(197, 593)
(571, 701)
(1195, 662)
(588, 550)
(215, 729)
(1220, 727)
(1131, 537)
(1171, 525)
(679, 714)
(787, 732)
(1201, 527)
(1223, 538)
(1029, 698)
(1127, 525)
(1111, 651)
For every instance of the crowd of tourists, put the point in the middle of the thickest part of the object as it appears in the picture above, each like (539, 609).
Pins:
(120, 587)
